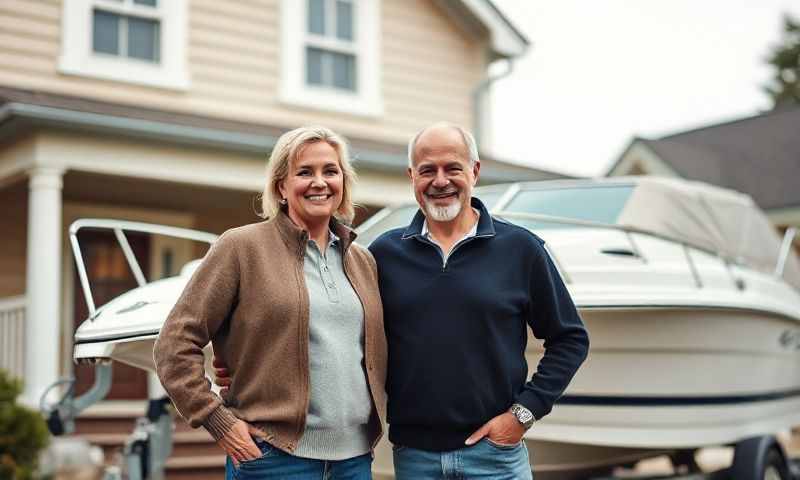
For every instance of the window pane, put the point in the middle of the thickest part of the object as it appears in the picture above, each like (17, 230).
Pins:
(344, 71)
(344, 20)
(314, 66)
(316, 16)
(150, 3)
(105, 32)
(143, 39)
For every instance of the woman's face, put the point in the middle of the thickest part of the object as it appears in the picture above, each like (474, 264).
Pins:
(314, 184)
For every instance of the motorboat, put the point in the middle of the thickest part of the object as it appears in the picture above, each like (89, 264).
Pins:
(692, 302)
(691, 298)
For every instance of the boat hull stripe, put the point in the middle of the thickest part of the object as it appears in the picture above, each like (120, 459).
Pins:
(674, 401)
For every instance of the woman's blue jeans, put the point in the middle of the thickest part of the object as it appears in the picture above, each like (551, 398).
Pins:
(277, 464)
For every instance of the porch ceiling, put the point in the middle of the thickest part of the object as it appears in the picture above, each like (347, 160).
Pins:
(94, 188)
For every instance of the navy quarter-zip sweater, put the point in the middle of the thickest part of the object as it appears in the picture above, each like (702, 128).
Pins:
(457, 331)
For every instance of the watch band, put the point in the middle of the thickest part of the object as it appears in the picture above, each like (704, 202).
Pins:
(523, 415)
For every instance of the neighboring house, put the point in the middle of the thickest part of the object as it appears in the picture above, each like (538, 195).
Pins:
(758, 155)
(164, 111)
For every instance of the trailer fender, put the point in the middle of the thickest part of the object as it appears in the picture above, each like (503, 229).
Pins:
(753, 456)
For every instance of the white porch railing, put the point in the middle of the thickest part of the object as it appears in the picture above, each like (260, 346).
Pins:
(12, 334)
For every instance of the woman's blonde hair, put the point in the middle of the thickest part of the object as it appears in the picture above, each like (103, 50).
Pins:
(288, 148)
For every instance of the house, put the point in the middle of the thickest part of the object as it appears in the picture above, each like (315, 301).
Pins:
(757, 155)
(164, 111)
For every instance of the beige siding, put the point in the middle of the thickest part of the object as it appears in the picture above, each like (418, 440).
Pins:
(429, 66)
(14, 212)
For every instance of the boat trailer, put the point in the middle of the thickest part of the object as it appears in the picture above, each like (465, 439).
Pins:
(756, 458)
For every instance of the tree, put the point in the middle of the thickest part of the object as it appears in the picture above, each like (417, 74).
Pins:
(785, 58)
(23, 433)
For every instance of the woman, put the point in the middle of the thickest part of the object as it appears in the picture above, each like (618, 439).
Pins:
(292, 308)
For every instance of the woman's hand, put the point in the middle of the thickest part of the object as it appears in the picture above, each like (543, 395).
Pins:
(238, 443)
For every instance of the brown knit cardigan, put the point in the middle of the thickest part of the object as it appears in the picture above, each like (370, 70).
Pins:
(249, 299)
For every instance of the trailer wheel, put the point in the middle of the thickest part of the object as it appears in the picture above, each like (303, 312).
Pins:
(759, 458)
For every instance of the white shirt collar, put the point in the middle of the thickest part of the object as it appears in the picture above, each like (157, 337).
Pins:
(471, 233)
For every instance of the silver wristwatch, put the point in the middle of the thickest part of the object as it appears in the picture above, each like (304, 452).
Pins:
(524, 416)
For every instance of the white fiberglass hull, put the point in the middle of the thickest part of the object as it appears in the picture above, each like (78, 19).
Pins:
(663, 380)
(679, 378)
(126, 328)
(656, 380)
(673, 365)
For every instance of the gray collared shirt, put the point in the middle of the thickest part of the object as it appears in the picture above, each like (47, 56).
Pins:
(340, 405)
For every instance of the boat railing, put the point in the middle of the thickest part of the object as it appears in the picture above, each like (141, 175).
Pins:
(786, 249)
(628, 231)
(12, 334)
(119, 227)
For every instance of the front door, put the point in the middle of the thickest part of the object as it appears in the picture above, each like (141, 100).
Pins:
(110, 276)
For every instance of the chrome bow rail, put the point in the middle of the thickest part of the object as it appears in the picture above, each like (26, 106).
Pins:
(119, 227)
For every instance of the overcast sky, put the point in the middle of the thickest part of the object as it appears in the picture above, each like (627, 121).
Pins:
(600, 72)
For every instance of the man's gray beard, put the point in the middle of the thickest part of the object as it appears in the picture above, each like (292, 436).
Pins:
(442, 214)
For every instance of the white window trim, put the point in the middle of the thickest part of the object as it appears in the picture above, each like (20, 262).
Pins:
(78, 58)
(367, 100)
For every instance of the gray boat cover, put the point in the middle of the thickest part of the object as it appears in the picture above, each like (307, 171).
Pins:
(709, 217)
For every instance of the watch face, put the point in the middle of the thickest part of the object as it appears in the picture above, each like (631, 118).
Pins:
(524, 416)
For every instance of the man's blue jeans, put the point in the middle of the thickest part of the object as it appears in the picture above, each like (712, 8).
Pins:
(277, 464)
(484, 460)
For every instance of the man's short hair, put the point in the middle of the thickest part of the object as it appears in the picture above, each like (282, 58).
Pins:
(469, 141)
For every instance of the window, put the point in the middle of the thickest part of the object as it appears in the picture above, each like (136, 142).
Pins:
(135, 41)
(330, 45)
(126, 35)
(330, 55)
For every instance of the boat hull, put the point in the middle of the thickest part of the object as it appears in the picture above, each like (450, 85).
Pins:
(657, 379)
(660, 380)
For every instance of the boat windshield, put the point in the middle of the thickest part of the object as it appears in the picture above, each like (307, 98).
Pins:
(601, 204)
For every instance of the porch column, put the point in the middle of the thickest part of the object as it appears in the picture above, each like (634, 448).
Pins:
(43, 282)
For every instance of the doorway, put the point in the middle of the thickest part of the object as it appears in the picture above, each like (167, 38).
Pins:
(109, 276)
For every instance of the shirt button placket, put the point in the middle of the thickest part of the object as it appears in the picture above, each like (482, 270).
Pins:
(328, 282)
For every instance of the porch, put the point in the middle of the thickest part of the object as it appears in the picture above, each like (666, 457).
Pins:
(12, 334)
(50, 179)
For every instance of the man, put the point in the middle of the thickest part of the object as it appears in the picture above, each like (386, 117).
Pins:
(459, 290)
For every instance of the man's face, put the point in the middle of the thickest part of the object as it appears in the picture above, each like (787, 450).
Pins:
(442, 175)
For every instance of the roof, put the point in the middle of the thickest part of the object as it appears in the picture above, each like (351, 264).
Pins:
(505, 40)
(758, 155)
(23, 110)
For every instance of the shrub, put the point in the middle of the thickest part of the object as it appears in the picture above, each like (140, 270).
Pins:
(23, 433)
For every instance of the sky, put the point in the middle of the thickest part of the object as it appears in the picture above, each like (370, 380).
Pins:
(599, 72)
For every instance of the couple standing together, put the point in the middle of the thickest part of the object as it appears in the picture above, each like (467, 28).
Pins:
(312, 332)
